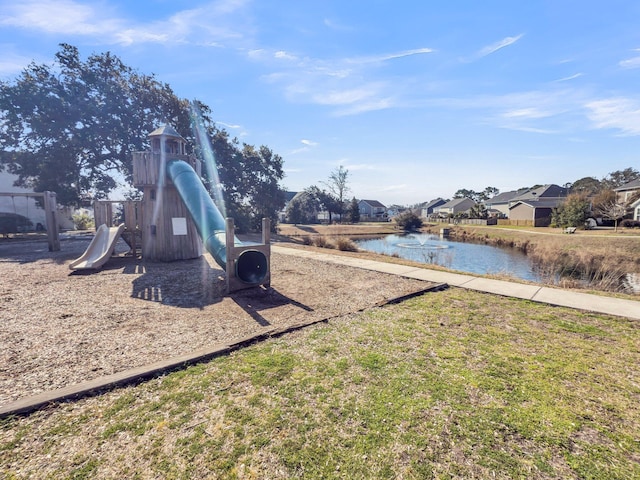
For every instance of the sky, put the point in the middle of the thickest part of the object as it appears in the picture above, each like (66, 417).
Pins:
(416, 99)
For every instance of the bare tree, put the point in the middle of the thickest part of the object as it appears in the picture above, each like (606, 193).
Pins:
(338, 187)
(608, 205)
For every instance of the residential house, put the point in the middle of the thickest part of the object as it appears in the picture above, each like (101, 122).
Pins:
(627, 191)
(372, 210)
(457, 205)
(629, 194)
(536, 205)
(537, 211)
(430, 207)
(498, 206)
(282, 214)
(634, 207)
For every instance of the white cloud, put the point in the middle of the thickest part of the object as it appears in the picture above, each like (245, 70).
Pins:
(205, 25)
(494, 47)
(523, 128)
(389, 56)
(618, 113)
(308, 142)
(367, 106)
(229, 125)
(341, 83)
(333, 25)
(282, 55)
(633, 62)
(528, 112)
(348, 96)
(571, 77)
(64, 16)
(394, 188)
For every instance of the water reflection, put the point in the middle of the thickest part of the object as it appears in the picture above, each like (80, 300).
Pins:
(465, 257)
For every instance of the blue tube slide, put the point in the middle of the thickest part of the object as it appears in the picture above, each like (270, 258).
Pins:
(251, 265)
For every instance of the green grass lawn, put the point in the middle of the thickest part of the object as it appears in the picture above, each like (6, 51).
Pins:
(454, 384)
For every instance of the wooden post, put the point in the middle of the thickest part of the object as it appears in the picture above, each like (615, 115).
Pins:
(50, 208)
(266, 247)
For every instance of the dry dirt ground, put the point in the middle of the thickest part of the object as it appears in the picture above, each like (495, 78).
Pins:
(59, 327)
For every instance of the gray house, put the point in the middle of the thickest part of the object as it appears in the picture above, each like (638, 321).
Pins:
(627, 191)
(372, 210)
(457, 205)
(538, 212)
(498, 206)
(430, 208)
(536, 205)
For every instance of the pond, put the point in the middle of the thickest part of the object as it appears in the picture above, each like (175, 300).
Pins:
(464, 257)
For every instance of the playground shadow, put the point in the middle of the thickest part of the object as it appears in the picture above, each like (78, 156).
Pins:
(260, 299)
(185, 284)
(196, 284)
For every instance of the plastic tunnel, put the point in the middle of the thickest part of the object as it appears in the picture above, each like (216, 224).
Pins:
(251, 266)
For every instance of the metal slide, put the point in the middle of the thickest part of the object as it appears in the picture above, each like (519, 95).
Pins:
(100, 249)
(251, 266)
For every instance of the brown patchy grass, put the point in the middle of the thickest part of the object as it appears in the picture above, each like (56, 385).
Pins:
(358, 229)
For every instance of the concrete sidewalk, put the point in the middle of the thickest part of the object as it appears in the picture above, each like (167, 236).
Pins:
(537, 293)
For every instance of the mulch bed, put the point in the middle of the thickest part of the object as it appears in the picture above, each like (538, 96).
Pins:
(59, 328)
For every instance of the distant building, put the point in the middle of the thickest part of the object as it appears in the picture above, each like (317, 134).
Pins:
(30, 216)
(457, 205)
(372, 210)
(628, 190)
(536, 205)
(282, 214)
(430, 208)
(498, 206)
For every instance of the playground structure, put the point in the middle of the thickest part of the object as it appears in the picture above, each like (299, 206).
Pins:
(177, 216)
(49, 205)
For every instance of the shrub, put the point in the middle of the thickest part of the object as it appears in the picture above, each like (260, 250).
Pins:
(345, 244)
(628, 223)
(323, 242)
(82, 221)
(408, 220)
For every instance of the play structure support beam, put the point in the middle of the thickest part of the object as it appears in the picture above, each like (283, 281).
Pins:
(50, 208)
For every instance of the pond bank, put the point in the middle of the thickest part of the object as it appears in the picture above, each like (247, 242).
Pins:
(598, 260)
(604, 261)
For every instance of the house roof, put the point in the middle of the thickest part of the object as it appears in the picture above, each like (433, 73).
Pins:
(505, 197)
(632, 185)
(374, 203)
(434, 203)
(288, 196)
(456, 201)
(545, 191)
